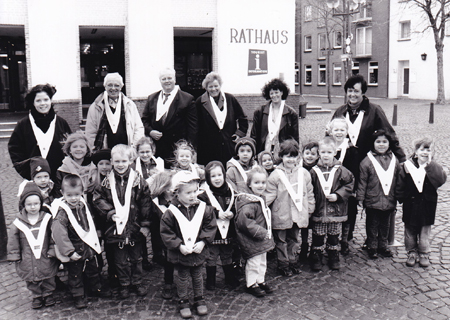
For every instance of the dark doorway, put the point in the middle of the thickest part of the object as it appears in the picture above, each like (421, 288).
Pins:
(101, 52)
(405, 80)
(193, 56)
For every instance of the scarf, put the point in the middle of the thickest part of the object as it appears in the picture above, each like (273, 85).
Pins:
(43, 120)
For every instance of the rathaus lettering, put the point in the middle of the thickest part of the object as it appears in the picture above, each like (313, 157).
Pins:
(258, 36)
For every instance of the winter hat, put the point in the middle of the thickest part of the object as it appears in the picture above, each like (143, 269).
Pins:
(245, 141)
(30, 189)
(209, 167)
(39, 164)
(103, 154)
(182, 178)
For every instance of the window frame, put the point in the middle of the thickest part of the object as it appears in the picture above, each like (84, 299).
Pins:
(371, 69)
(335, 45)
(308, 13)
(365, 42)
(319, 49)
(355, 67)
(308, 68)
(305, 41)
(400, 30)
(337, 67)
(321, 68)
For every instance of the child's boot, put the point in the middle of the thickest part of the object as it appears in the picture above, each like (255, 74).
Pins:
(424, 260)
(230, 277)
(185, 309)
(316, 260)
(80, 302)
(411, 260)
(345, 250)
(49, 301)
(167, 292)
(303, 256)
(211, 278)
(200, 305)
(333, 259)
(37, 303)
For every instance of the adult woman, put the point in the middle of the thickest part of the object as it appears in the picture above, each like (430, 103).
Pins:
(113, 118)
(275, 121)
(221, 121)
(38, 134)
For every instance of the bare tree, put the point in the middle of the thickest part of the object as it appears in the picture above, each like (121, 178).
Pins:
(437, 13)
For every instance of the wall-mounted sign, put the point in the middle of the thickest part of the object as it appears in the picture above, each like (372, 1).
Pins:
(257, 62)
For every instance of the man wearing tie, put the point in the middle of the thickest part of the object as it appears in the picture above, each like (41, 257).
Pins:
(169, 115)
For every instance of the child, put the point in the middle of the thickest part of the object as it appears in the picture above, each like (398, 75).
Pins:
(185, 159)
(146, 163)
(291, 196)
(419, 179)
(265, 160)
(76, 239)
(161, 194)
(123, 199)
(187, 227)
(77, 160)
(254, 232)
(347, 155)
(376, 192)
(333, 185)
(220, 195)
(30, 246)
(238, 166)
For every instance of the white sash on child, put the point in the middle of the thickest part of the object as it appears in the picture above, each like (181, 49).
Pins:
(343, 148)
(89, 237)
(297, 197)
(122, 212)
(189, 229)
(239, 167)
(417, 174)
(113, 118)
(267, 214)
(385, 176)
(161, 207)
(159, 164)
(35, 243)
(354, 128)
(44, 140)
(222, 225)
(326, 184)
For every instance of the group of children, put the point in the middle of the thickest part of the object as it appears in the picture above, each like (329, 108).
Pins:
(195, 215)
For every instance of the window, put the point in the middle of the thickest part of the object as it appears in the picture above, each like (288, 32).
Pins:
(308, 75)
(322, 45)
(322, 74)
(364, 41)
(337, 39)
(308, 13)
(355, 68)
(297, 74)
(365, 11)
(308, 43)
(373, 73)
(405, 30)
(336, 73)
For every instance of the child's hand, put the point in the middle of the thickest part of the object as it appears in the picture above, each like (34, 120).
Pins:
(198, 247)
(75, 257)
(332, 197)
(223, 216)
(156, 135)
(230, 215)
(114, 217)
(99, 234)
(184, 250)
(145, 231)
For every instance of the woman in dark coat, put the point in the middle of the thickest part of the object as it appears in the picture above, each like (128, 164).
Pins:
(38, 134)
(221, 121)
(270, 128)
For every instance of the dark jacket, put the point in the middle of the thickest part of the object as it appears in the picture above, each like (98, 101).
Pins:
(374, 119)
(139, 215)
(22, 146)
(343, 182)
(251, 227)
(370, 190)
(181, 123)
(419, 209)
(288, 126)
(213, 143)
(27, 266)
(172, 237)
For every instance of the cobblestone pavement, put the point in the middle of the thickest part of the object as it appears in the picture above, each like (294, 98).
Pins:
(362, 289)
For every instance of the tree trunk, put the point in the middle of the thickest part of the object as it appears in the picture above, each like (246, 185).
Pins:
(328, 76)
(440, 73)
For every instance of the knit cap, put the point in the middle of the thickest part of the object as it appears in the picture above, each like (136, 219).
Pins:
(246, 141)
(103, 154)
(37, 165)
(183, 177)
(30, 189)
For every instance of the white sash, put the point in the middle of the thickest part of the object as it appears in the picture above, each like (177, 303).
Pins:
(161, 207)
(417, 174)
(297, 197)
(343, 148)
(239, 167)
(222, 225)
(326, 184)
(221, 115)
(159, 164)
(163, 108)
(385, 176)
(274, 126)
(354, 128)
(267, 214)
(44, 140)
(89, 237)
(113, 118)
(189, 229)
(122, 212)
(35, 243)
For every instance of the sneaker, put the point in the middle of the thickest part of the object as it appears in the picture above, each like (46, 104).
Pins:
(80, 302)
(256, 291)
(124, 292)
(264, 286)
(424, 260)
(316, 260)
(140, 290)
(411, 260)
(395, 244)
(37, 303)
(285, 272)
(385, 252)
(372, 254)
(200, 306)
(49, 301)
(185, 309)
(167, 292)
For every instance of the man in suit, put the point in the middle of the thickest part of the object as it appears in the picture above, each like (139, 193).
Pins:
(170, 115)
